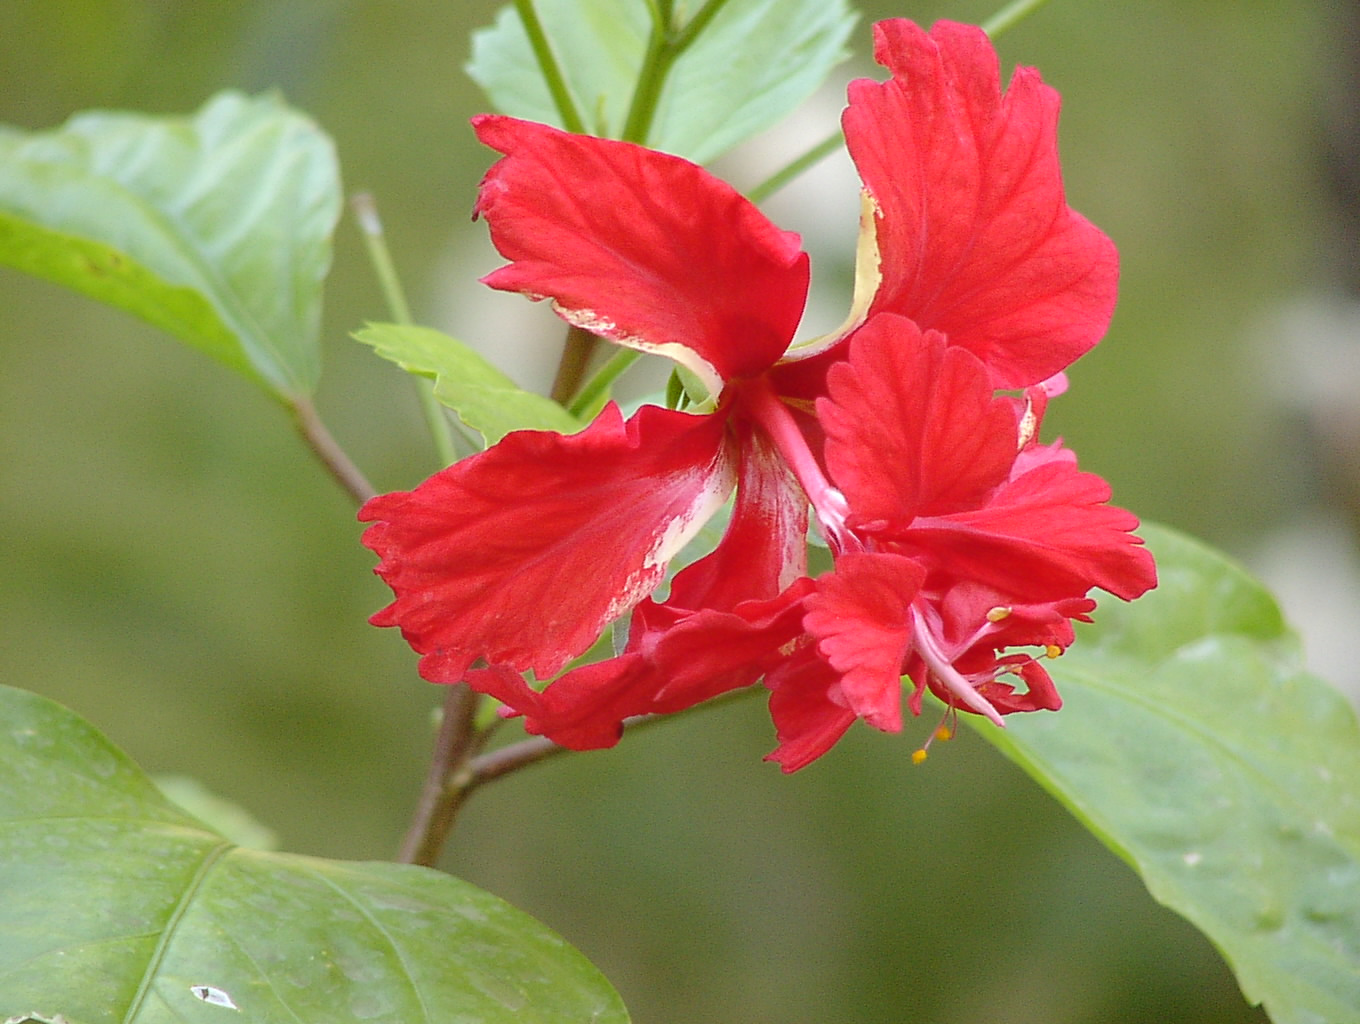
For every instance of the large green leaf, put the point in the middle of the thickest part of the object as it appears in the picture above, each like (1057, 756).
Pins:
(1193, 744)
(484, 398)
(754, 63)
(117, 907)
(215, 228)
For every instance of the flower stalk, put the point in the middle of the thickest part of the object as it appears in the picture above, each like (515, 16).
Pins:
(448, 781)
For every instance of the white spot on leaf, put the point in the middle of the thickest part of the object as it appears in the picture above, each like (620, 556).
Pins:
(213, 996)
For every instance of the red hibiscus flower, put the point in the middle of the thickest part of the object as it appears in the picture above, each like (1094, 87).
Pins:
(959, 539)
(520, 556)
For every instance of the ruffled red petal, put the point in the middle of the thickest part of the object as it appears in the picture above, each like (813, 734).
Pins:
(523, 553)
(1039, 694)
(1046, 535)
(727, 620)
(912, 427)
(974, 233)
(808, 722)
(860, 617)
(641, 247)
(674, 660)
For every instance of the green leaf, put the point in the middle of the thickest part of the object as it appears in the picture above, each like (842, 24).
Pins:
(752, 65)
(120, 908)
(215, 228)
(1194, 745)
(485, 399)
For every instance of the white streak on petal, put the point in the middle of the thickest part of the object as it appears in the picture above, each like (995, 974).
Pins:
(719, 479)
(596, 323)
(711, 485)
(868, 278)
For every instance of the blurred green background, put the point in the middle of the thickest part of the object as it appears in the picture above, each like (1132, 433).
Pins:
(178, 570)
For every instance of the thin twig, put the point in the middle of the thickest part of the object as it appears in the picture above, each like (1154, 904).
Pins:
(328, 450)
(504, 760)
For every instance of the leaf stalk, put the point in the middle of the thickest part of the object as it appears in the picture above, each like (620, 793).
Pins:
(1010, 16)
(375, 241)
(328, 450)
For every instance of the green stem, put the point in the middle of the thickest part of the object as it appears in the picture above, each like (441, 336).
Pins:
(652, 76)
(547, 63)
(664, 47)
(779, 179)
(370, 226)
(1010, 15)
(697, 24)
(571, 370)
(598, 386)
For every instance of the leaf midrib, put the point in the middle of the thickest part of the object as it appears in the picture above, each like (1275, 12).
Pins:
(210, 860)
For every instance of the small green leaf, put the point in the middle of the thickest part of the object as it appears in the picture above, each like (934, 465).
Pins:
(120, 909)
(485, 399)
(215, 228)
(753, 64)
(1193, 744)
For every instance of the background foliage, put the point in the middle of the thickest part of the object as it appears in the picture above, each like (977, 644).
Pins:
(181, 573)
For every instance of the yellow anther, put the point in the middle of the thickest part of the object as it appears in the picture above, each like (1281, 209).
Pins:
(998, 613)
(944, 733)
(1052, 651)
(917, 756)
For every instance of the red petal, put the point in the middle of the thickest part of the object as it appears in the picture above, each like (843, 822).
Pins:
(764, 548)
(583, 710)
(1040, 694)
(807, 721)
(1046, 535)
(641, 247)
(860, 617)
(912, 425)
(709, 652)
(974, 233)
(523, 553)
(675, 659)
(967, 606)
